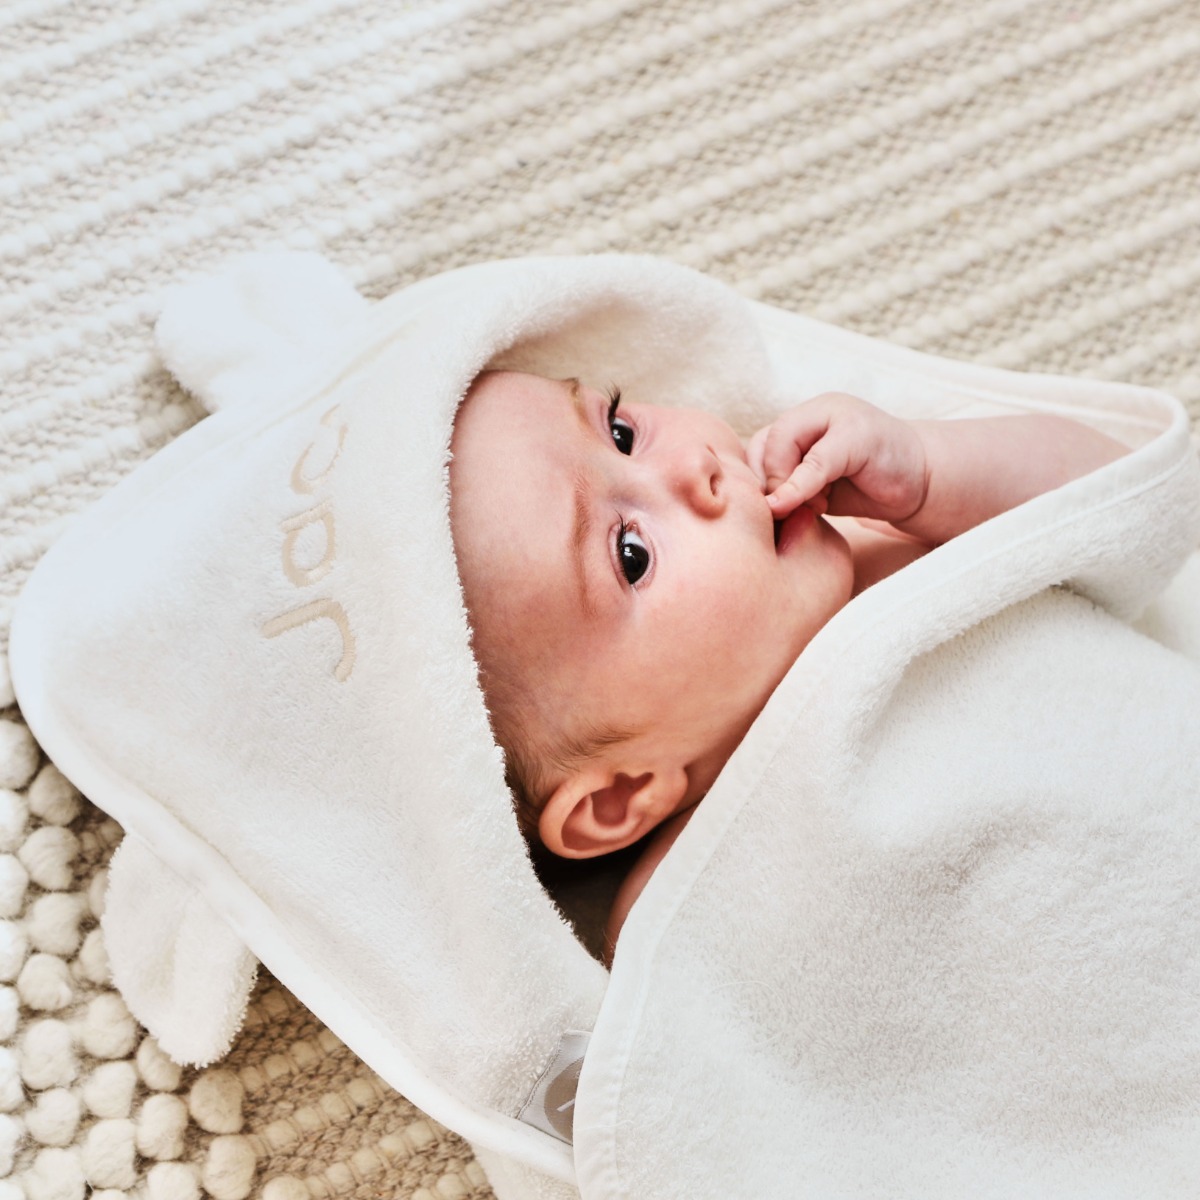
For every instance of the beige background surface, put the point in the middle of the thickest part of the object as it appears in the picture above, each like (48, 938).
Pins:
(1009, 181)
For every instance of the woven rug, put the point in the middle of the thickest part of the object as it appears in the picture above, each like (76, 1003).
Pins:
(1011, 181)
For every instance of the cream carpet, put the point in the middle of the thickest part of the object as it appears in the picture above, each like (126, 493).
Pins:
(1011, 181)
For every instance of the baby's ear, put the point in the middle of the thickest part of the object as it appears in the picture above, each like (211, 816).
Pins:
(597, 810)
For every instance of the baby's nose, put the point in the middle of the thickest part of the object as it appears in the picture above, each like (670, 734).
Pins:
(699, 479)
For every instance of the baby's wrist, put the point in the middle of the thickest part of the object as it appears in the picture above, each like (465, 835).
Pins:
(921, 475)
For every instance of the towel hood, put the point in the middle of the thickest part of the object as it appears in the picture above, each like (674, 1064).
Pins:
(255, 655)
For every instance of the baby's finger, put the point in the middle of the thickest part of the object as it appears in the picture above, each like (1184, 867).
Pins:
(754, 454)
(783, 447)
(807, 484)
(795, 433)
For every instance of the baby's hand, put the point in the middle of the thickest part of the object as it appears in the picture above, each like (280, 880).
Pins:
(841, 455)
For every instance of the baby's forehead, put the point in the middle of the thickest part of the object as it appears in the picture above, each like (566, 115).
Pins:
(498, 385)
(505, 384)
(506, 380)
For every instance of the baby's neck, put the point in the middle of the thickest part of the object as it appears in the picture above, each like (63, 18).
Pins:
(876, 548)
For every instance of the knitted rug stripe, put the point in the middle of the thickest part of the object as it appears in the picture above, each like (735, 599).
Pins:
(1008, 181)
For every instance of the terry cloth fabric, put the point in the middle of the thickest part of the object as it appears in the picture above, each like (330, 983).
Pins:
(278, 589)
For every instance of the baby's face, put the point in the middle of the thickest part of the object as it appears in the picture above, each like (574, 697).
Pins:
(625, 563)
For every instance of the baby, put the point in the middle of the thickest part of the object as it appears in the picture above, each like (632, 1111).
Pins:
(639, 580)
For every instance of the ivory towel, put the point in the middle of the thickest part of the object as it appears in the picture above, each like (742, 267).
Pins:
(911, 942)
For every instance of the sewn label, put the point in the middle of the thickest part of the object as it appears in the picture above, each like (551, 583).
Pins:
(551, 1104)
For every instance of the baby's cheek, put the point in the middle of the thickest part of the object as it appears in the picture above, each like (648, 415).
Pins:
(725, 619)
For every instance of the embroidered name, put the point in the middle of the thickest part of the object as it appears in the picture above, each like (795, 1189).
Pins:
(319, 518)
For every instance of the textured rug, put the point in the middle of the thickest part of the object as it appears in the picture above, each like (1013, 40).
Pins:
(1011, 181)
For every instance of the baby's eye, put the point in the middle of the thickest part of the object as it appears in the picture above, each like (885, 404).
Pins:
(634, 556)
(621, 430)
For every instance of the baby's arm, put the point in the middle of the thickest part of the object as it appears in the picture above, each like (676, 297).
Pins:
(931, 479)
(981, 467)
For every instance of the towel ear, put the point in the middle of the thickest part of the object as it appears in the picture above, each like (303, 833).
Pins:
(179, 967)
(251, 329)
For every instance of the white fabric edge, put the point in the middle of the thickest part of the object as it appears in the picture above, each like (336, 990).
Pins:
(1038, 391)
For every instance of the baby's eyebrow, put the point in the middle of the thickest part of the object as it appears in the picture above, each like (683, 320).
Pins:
(580, 532)
(581, 526)
(573, 385)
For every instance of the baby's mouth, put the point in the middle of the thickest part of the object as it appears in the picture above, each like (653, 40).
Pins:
(792, 528)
